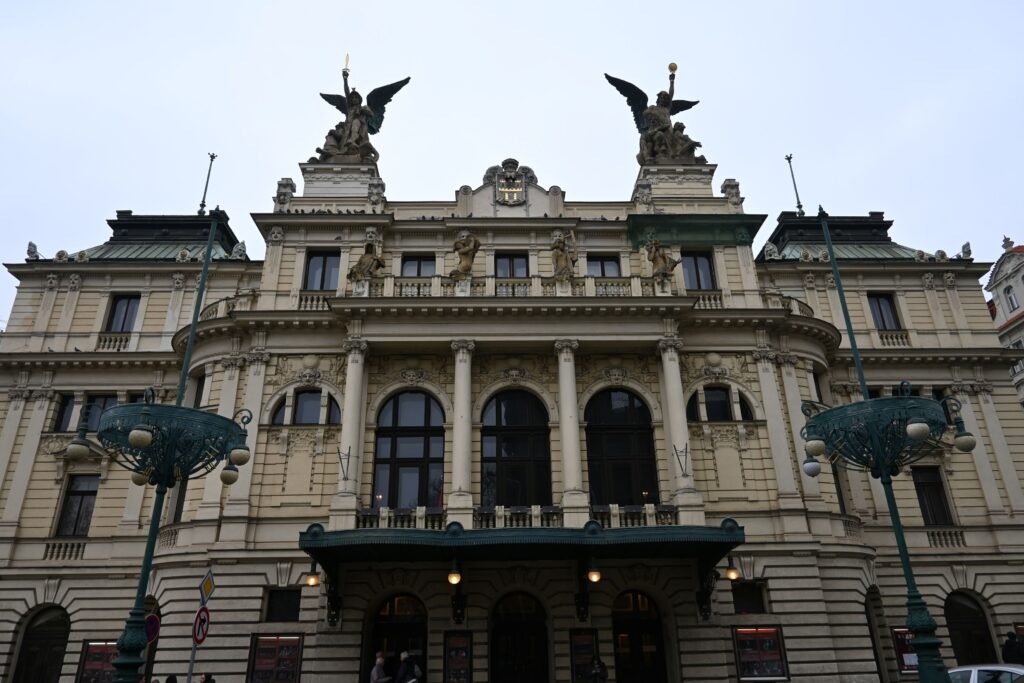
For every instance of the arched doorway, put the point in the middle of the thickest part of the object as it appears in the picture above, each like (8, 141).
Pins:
(620, 449)
(969, 632)
(639, 648)
(43, 644)
(400, 626)
(515, 456)
(519, 640)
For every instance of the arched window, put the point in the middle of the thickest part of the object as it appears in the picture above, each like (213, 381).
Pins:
(278, 418)
(519, 640)
(720, 404)
(306, 409)
(1011, 298)
(42, 648)
(515, 454)
(333, 411)
(639, 649)
(620, 449)
(409, 469)
(400, 625)
(969, 632)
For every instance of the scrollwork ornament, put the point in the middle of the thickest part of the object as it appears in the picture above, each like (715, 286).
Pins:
(514, 375)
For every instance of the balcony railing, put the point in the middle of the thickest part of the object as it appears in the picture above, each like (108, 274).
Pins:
(1017, 368)
(794, 306)
(314, 300)
(946, 538)
(223, 307)
(64, 551)
(894, 339)
(517, 517)
(113, 341)
(621, 516)
(401, 518)
(707, 300)
(437, 285)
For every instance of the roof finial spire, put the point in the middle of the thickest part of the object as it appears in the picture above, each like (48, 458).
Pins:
(799, 206)
(202, 203)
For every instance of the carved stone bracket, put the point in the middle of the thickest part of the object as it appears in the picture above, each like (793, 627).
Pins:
(708, 580)
(355, 345)
(514, 375)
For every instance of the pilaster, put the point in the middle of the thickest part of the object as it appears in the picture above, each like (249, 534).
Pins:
(686, 498)
(460, 501)
(575, 501)
(345, 502)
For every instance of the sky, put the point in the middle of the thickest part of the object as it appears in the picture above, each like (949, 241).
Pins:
(911, 108)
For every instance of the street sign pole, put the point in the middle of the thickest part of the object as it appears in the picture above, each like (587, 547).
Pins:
(200, 629)
(192, 661)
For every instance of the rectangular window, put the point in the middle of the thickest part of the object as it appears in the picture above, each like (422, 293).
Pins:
(932, 495)
(511, 265)
(322, 271)
(717, 404)
(62, 420)
(418, 266)
(603, 266)
(748, 597)
(123, 308)
(282, 604)
(883, 311)
(79, 502)
(697, 271)
(275, 658)
(96, 404)
(759, 654)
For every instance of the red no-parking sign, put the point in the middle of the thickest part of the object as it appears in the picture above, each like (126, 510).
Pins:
(201, 626)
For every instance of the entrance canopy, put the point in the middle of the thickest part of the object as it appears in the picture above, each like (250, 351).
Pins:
(708, 545)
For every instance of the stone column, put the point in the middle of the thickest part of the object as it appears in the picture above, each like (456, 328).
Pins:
(460, 500)
(346, 501)
(235, 517)
(575, 501)
(685, 496)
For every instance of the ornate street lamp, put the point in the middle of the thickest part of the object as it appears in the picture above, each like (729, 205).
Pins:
(161, 445)
(882, 436)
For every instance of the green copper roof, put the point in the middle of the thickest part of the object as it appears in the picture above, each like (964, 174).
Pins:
(793, 250)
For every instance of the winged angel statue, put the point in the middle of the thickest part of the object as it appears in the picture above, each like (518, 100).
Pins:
(661, 142)
(350, 139)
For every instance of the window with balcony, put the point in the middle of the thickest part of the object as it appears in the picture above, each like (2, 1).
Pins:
(322, 271)
(511, 265)
(95, 404)
(620, 449)
(79, 502)
(1011, 299)
(697, 270)
(931, 494)
(515, 456)
(718, 405)
(603, 266)
(62, 418)
(883, 312)
(418, 265)
(409, 456)
(123, 308)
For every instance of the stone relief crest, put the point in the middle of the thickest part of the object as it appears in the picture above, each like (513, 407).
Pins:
(511, 182)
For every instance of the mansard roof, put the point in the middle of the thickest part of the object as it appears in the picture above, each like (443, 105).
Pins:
(853, 237)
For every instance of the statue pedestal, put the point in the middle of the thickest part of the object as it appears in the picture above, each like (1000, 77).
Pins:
(463, 286)
(658, 185)
(339, 180)
(563, 288)
(663, 286)
(361, 288)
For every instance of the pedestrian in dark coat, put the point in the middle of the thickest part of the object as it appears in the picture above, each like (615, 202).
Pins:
(409, 671)
(598, 671)
(1013, 649)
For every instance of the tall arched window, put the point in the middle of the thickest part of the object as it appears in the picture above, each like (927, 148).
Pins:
(306, 409)
(969, 632)
(399, 626)
(515, 454)
(409, 458)
(721, 404)
(42, 648)
(620, 449)
(639, 648)
(519, 640)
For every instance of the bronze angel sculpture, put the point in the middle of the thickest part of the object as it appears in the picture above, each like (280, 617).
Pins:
(350, 139)
(660, 141)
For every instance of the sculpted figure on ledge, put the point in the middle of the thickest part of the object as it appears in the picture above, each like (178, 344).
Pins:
(661, 263)
(466, 247)
(367, 265)
(564, 256)
(661, 142)
(349, 141)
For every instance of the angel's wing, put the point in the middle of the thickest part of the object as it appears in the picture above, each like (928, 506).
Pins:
(681, 105)
(378, 99)
(337, 101)
(635, 98)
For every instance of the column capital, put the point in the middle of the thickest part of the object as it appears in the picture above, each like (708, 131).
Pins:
(463, 345)
(569, 346)
(355, 345)
(670, 344)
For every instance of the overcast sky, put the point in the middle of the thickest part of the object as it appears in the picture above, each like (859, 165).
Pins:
(912, 108)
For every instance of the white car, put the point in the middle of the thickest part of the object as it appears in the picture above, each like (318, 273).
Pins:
(987, 673)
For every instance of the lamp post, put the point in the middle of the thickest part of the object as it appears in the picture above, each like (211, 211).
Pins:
(881, 436)
(161, 445)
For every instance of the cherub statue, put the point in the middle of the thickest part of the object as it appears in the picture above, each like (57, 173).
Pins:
(661, 262)
(564, 256)
(350, 139)
(466, 247)
(32, 252)
(659, 141)
(367, 265)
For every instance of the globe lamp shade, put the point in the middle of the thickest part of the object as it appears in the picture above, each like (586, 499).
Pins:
(229, 475)
(918, 429)
(239, 455)
(140, 478)
(140, 437)
(814, 448)
(812, 467)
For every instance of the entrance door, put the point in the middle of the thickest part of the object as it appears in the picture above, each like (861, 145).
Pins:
(969, 633)
(519, 641)
(41, 654)
(639, 650)
(400, 626)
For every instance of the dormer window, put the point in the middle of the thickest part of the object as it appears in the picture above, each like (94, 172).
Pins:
(1011, 299)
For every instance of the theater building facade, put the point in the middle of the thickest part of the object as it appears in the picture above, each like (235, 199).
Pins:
(589, 413)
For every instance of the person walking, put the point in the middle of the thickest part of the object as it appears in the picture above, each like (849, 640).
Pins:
(377, 674)
(409, 671)
(1013, 649)
(598, 671)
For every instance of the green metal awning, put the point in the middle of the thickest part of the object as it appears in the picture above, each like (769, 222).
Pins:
(706, 544)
